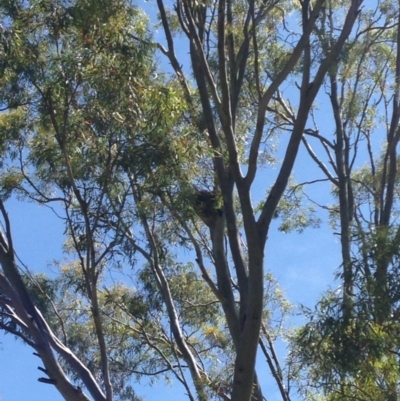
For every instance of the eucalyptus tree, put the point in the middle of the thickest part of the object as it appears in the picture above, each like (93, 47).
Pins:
(350, 347)
(241, 55)
(71, 74)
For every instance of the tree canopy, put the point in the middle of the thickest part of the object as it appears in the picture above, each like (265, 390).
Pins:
(152, 139)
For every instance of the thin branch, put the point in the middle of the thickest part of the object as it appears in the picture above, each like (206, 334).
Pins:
(320, 164)
(286, 70)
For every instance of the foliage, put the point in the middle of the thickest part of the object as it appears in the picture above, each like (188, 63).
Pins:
(153, 175)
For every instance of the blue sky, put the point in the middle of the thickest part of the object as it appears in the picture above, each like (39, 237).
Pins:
(303, 264)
